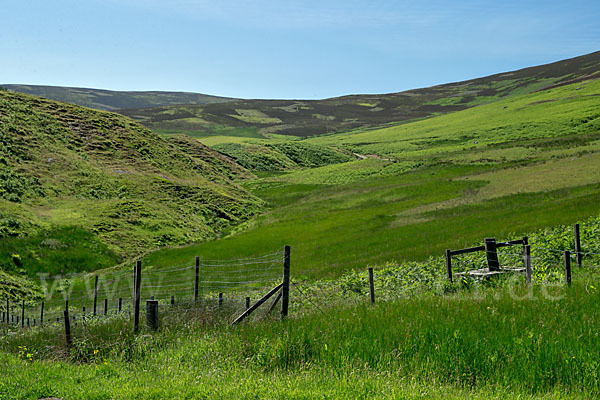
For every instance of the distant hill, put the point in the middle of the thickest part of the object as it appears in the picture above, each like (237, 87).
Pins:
(82, 189)
(109, 100)
(315, 117)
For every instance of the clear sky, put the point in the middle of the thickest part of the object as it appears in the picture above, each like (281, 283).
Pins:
(284, 49)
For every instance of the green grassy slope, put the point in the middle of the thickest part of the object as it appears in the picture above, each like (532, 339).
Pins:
(316, 117)
(512, 166)
(83, 189)
(497, 343)
(110, 100)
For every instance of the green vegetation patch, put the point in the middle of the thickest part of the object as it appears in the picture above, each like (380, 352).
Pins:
(117, 188)
(58, 251)
(281, 155)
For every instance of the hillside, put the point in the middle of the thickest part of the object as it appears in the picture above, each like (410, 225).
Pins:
(256, 118)
(110, 100)
(511, 166)
(83, 189)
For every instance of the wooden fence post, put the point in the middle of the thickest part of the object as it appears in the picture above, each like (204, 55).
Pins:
(152, 314)
(247, 302)
(196, 280)
(491, 254)
(527, 261)
(525, 243)
(578, 255)
(285, 289)
(7, 309)
(95, 294)
(136, 300)
(68, 338)
(568, 267)
(449, 265)
(23, 314)
(105, 306)
(371, 285)
(172, 300)
(120, 304)
(220, 299)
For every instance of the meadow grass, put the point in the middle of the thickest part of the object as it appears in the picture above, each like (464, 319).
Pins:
(502, 342)
(336, 229)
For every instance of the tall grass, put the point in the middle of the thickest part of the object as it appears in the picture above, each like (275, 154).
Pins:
(509, 340)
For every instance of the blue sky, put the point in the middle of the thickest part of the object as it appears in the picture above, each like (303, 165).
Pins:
(284, 49)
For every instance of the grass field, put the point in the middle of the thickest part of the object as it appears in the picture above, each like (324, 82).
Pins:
(480, 344)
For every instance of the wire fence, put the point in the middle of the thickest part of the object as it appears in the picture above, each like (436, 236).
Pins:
(217, 287)
(220, 291)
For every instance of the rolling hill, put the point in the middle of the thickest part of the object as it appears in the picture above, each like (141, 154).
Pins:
(257, 118)
(83, 189)
(505, 168)
(110, 100)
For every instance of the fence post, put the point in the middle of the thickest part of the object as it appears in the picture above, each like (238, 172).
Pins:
(247, 302)
(152, 314)
(120, 304)
(371, 285)
(23, 314)
(525, 243)
(172, 300)
(578, 255)
(527, 260)
(196, 280)
(285, 289)
(220, 299)
(568, 267)
(105, 306)
(95, 294)
(67, 329)
(7, 310)
(136, 300)
(491, 254)
(449, 265)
